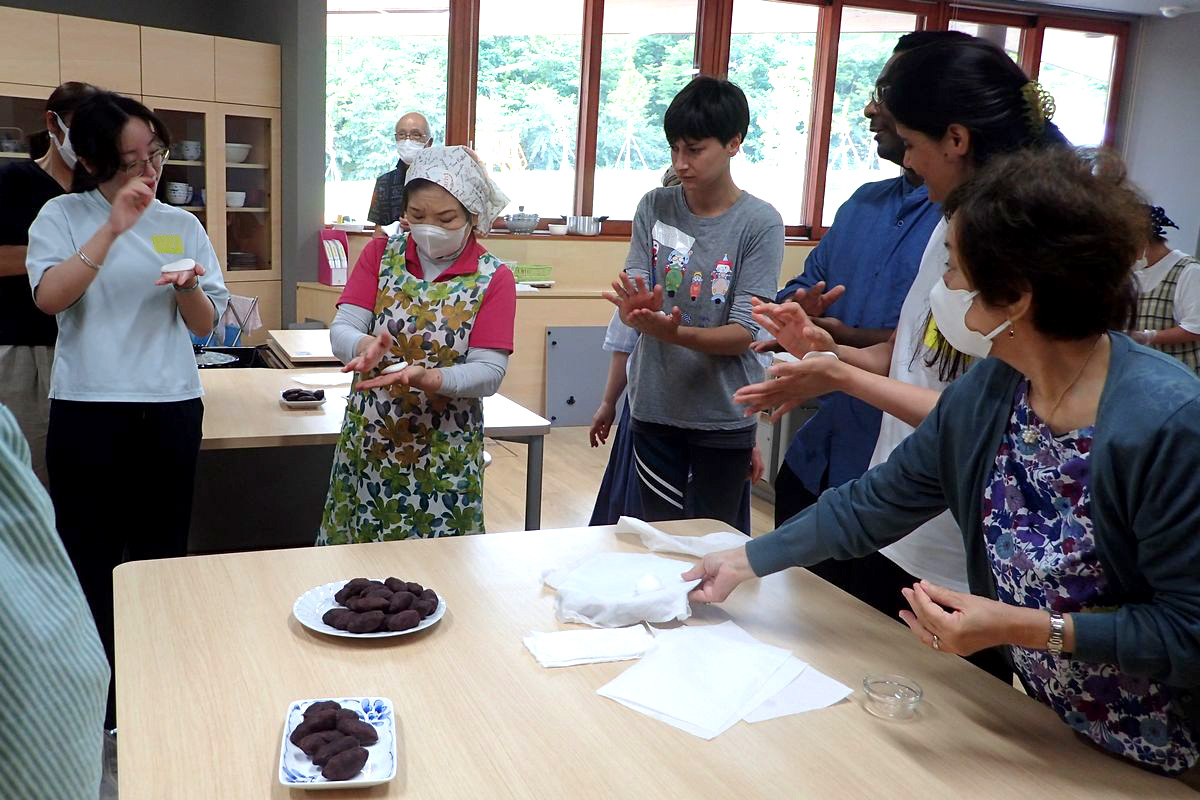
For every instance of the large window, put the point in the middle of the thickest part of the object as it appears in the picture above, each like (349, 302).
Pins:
(867, 39)
(564, 99)
(379, 66)
(646, 58)
(772, 53)
(527, 99)
(1077, 68)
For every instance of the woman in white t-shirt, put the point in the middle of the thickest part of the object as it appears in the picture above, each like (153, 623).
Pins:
(125, 410)
(956, 103)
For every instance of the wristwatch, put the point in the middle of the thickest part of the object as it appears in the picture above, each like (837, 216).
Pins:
(1058, 626)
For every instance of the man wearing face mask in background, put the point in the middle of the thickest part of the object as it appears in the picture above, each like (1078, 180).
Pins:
(27, 335)
(412, 136)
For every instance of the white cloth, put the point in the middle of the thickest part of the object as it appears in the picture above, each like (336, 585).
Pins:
(324, 379)
(935, 550)
(457, 170)
(703, 679)
(588, 645)
(660, 542)
(124, 340)
(1187, 290)
(243, 309)
(610, 590)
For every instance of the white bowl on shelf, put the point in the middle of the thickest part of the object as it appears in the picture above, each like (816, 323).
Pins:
(236, 153)
(557, 230)
(235, 199)
(190, 150)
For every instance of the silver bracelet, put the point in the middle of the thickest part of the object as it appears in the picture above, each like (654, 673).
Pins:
(86, 260)
(1058, 627)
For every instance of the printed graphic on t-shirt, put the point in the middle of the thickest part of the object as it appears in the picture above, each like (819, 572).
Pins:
(168, 244)
(678, 247)
(697, 286)
(721, 277)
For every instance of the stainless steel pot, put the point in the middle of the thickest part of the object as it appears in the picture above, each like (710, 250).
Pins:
(584, 226)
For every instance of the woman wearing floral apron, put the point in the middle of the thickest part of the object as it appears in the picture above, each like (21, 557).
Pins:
(409, 462)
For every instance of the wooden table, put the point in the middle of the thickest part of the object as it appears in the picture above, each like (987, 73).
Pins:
(302, 347)
(242, 410)
(208, 658)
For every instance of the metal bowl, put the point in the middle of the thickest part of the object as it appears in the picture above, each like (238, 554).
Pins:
(521, 222)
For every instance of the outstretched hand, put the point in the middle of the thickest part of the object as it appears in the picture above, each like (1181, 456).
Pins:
(792, 327)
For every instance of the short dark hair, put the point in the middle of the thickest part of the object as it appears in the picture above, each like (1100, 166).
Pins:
(96, 135)
(62, 101)
(707, 107)
(911, 41)
(972, 83)
(1061, 225)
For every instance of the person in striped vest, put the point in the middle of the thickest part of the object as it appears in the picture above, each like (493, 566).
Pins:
(53, 672)
(1168, 295)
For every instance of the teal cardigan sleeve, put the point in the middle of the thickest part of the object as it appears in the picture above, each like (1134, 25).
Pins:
(863, 515)
(1151, 543)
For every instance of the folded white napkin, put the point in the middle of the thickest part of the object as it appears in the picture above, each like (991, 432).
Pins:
(809, 691)
(323, 378)
(588, 645)
(700, 546)
(702, 680)
(611, 590)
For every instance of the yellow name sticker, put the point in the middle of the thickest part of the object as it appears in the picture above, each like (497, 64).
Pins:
(168, 244)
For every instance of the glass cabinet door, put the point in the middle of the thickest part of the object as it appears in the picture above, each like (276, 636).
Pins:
(22, 118)
(252, 192)
(184, 180)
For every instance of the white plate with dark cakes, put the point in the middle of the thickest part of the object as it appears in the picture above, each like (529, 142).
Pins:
(312, 609)
(352, 747)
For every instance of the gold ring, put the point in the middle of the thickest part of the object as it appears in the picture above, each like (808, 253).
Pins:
(937, 642)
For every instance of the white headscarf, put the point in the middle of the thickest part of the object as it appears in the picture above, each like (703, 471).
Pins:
(459, 171)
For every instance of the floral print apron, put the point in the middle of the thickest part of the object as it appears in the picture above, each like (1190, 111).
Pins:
(408, 464)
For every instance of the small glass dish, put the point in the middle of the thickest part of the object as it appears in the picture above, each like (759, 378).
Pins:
(891, 696)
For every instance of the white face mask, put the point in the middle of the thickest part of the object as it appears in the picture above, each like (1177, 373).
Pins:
(408, 149)
(434, 241)
(950, 307)
(64, 149)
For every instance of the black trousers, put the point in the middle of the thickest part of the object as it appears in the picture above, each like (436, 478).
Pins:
(874, 579)
(121, 478)
(682, 475)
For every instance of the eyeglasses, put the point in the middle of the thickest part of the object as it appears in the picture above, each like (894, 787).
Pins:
(155, 160)
(878, 94)
(412, 136)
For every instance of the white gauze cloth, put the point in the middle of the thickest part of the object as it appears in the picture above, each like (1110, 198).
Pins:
(610, 590)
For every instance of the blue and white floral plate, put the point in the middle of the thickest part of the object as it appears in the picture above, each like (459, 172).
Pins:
(311, 606)
(296, 770)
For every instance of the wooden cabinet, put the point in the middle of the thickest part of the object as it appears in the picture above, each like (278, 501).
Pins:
(107, 54)
(29, 47)
(178, 64)
(247, 72)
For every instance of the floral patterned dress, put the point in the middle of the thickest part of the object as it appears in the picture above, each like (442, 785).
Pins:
(1042, 549)
(408, 464)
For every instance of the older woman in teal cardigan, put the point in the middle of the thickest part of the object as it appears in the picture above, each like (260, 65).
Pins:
(1068, 454)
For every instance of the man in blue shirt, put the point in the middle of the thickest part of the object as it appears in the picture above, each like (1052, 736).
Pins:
(873, 249)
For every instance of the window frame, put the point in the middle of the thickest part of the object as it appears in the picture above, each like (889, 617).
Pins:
(714, 24)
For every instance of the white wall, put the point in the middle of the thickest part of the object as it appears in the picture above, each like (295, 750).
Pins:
(1160, 136)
